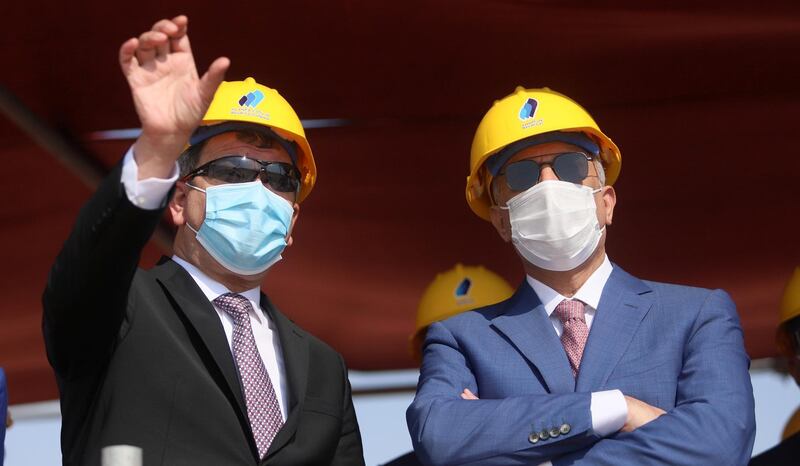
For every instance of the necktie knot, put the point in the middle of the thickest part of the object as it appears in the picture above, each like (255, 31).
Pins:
(570, 309)
(234, 304)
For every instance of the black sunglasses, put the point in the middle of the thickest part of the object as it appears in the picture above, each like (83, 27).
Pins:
(280, 176)
(568, 166)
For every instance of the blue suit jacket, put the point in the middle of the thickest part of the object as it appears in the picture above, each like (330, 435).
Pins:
(675, 347)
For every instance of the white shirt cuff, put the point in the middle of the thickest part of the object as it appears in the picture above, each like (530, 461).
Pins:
(148, 193)
(609, 412)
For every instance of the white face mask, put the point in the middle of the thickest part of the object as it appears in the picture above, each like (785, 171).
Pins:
(554, 224)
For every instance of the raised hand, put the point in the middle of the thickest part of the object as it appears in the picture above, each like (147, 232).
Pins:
(169, 95)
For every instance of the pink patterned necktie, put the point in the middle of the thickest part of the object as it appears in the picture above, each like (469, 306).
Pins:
(262, 404)
(571, 314)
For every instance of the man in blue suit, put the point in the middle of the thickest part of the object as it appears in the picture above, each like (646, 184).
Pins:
(584, 364)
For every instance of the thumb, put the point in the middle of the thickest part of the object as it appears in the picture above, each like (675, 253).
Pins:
(213, 77)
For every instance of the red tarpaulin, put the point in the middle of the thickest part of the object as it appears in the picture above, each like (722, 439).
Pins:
(701, 97)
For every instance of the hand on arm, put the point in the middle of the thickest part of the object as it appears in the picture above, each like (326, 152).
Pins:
(169, 95)
(713, 420)
(639, 414)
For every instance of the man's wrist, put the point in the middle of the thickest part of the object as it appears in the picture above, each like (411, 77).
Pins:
(148, 193)
(609, 412)
(155, 155)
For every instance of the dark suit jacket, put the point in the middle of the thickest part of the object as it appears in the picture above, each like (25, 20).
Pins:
(141, 358)
(785, 453)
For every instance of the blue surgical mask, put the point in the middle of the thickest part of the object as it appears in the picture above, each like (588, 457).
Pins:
(246, 226)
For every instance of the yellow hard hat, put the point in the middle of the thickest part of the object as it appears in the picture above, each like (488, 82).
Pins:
(521, 115)
(251, 103)
(790, 304)
(457, 290)
(793, 426)
(787, 335)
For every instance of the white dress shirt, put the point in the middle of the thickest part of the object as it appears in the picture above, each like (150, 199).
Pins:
(150, 194)
(609, 409)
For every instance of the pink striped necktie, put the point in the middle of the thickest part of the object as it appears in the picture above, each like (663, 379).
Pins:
(262, 404)
(571, 314)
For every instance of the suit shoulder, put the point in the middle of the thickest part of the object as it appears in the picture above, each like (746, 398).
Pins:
(684, 293)
(692, 301)
(480, 315)
(317, 346)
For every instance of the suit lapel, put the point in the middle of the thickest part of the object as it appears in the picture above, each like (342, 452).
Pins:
(526, 325)
(195, 309)
(296, 363)
(624, 303)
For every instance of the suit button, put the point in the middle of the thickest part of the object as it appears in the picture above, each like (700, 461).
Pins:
(554, 432)
(544, 435)
(565, 428)
(533, 438)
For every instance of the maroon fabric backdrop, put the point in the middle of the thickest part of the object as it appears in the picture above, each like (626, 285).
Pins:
(700, 96)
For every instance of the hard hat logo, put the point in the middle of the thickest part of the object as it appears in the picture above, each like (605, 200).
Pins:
(251, 99)
(248, 103)
(528, 109)
(528, 112)
(463, 288)
(462, 293)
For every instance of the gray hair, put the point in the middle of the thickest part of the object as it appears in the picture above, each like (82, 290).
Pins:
(601, 172)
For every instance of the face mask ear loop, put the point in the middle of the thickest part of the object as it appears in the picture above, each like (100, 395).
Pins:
(196, 189)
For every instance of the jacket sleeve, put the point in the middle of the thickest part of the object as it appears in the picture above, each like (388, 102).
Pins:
(447, 430)
(86, 294)
(713, 421)
(349, 452)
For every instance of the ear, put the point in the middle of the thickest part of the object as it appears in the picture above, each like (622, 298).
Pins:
(499, 218)
(177, 205)
(296, 214)
(609, 197)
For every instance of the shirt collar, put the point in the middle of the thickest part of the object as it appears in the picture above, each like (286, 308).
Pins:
(589, 292)
(213, 289)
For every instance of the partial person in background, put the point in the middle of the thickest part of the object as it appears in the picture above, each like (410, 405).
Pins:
(5, 420)
(584, 364)
(189, 360)
(788, 338)
(452, 292)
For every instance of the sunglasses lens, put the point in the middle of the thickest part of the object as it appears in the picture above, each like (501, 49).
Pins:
(282, 177)
(571, 166)
(522, 175)
(234, 170)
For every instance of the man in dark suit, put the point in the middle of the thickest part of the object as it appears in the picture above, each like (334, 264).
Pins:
(584, 364)
(189, 361)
